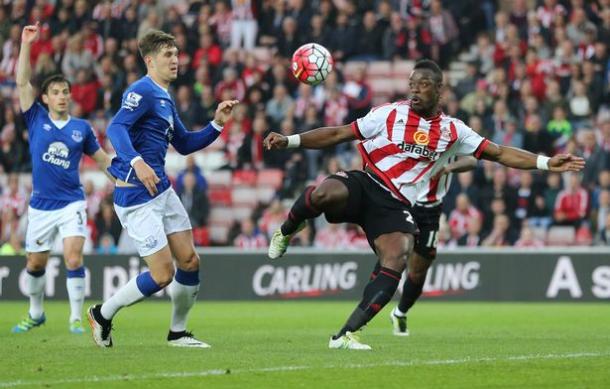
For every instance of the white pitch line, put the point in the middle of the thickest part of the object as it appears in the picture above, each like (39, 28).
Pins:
(220, 372)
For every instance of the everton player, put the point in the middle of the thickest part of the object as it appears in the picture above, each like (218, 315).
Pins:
(147, 206)
(403, 145)
(57, 206)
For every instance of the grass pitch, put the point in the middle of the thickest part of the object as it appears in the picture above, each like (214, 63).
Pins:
(284, 344)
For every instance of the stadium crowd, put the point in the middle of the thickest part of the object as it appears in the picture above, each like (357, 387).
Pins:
(535, 75)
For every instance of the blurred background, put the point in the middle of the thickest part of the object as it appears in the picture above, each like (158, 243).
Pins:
(531, 74)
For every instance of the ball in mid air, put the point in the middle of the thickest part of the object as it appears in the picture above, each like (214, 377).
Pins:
(311, 63)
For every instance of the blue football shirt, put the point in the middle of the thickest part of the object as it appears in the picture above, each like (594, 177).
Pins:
(56, 154)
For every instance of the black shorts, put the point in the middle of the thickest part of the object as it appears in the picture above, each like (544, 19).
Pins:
(427, 220)
(371, 207)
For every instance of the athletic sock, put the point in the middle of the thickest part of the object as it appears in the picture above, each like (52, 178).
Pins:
(300, 211)
(75, 283)
(377, 293)
(410, 293)
(183, 292)
(35, 282)
(134, 291)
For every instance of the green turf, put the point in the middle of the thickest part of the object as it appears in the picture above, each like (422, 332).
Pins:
(284, 344)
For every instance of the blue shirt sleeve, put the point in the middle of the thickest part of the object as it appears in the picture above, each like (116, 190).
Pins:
(135, 104)
(186, 142)
(31, 116)
(91, 145)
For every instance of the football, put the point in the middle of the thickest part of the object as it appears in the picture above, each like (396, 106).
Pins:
(311, 63)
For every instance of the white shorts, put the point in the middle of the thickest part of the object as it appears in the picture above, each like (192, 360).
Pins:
(43, 226)
(149, 224)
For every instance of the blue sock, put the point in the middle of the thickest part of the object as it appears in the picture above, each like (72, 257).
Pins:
(146, 284)
(187, 277)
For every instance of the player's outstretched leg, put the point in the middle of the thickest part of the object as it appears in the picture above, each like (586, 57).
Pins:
(331, 195)
(144, 285)
(183, 290)
(411, 291)
(35, 281)
(392, 249)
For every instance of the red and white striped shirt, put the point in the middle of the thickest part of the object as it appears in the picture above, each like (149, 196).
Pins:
(406, 150)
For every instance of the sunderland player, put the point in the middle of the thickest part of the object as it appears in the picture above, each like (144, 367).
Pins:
(403, 145)
(427, 213)
(57, 206)
(147, 206)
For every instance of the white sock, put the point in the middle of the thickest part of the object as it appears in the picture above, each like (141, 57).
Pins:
(398, 312)
(35, 289)
(76, 295)
(128, 294)
(183, 297)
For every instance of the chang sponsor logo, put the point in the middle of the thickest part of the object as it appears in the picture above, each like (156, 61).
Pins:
(305, 280)
(57, 154)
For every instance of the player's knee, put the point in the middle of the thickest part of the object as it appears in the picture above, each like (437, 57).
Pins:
(73, 263)
(164, 276)
(328, 195)
(321, 198)
(191, 263)
(35, 263)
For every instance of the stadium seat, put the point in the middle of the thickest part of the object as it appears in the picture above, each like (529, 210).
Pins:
(244, 196)
(265, 194)
(201, 236)
(220, 196)
(244, 178)
(401, 85)
(352, 66)
(241, 213)
(382, 86)
(270, 177)
(219, 234)
(539, 233)
(402, 68)
(219, 179)
(379, 69)
(221, 216)
(561, 236)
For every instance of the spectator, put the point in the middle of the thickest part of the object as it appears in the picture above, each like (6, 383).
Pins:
(107, 245)
(332, 237)
(444, 31)
(243, 24)
(597, 159)
(528, 240)
(461, 216)
(605, 232)
(572, 204)
(250, 236)
(280, 105)
(106, 222)
(12, 151)
(472, 238)
(195, 200)
(601, 211)
(76, 58)
(369, 44)
(500, 234)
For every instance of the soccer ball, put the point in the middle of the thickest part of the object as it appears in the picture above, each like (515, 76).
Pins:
(311, 63)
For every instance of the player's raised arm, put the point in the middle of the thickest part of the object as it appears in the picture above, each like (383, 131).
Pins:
(186, 142)
(521, 159)
(318, 138)
(24, 68)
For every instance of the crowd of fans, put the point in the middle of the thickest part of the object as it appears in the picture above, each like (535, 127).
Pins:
(536, 76)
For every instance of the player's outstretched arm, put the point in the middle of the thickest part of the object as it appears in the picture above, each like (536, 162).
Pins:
(463, 164)
(186, 142)
(521, 159)
(103, 161)
(318, 138)
(24, 68)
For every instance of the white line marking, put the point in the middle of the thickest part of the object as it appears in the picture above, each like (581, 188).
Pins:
(220, 372)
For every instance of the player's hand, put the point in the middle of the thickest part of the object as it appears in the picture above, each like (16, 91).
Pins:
(441, 173)
(275, 141)
(223, 111)
(147, 176)
(30, 33)
(566, 163)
